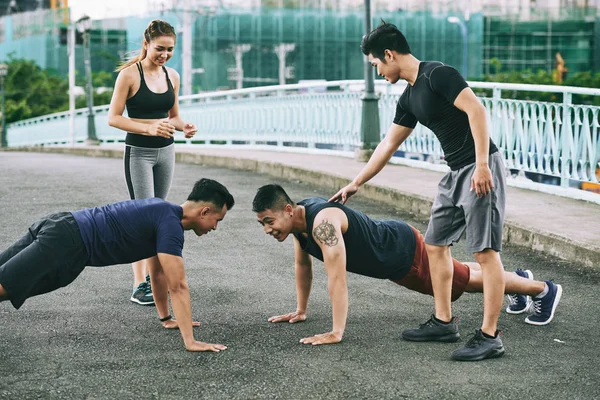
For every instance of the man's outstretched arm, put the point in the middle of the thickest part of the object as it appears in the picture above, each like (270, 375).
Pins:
(160, 292)
(180, 299)
(394, 137)
(304, 275)
(327, 233)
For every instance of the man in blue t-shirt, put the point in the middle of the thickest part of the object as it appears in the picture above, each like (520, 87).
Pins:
(348, 240)
(471, 196)
(58, 247)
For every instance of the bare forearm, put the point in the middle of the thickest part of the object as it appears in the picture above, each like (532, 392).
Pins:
(160, 292)
(481, 137)
(378, 160)
(182, 308)
(303, 286)
(127, 125)
(177, 122)
(338, 293)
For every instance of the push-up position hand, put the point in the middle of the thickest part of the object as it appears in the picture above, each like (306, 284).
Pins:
(172, 324)
(201, 346)
(292, 317)
(323, 338)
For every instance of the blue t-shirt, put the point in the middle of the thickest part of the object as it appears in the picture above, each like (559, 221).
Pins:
(379, 249)
(132, 230)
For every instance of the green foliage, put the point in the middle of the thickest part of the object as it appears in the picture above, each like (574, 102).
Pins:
(99, 99)
(542, 77)
(31, 92)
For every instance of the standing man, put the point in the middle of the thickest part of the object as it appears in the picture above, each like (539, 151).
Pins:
(470, 197)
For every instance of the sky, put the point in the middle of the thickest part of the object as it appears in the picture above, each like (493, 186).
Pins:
(99, 9)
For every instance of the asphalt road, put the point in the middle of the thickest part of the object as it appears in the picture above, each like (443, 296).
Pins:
(88, 341)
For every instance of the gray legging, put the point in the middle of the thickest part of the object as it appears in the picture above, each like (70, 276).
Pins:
(149, 171)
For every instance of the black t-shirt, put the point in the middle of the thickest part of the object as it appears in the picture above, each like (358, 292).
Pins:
(379, 249)
(430, 101)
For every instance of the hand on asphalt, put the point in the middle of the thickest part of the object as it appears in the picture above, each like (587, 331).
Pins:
(323, 338)
(201, 346)
(172, 324)
(289, 317)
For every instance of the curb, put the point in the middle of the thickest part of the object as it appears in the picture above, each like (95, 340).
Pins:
(514, 233)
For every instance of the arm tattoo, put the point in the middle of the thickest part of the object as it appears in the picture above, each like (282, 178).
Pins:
(325, 233)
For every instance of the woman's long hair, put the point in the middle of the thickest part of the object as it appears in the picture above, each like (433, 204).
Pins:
(156, 28)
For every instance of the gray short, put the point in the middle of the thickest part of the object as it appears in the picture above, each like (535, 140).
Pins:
(456, 209)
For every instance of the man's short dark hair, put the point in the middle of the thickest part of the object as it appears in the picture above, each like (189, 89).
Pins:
(270, 197)
(384, 37)
(211, 191)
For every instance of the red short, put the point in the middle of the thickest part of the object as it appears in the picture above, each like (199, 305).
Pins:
(419, 277)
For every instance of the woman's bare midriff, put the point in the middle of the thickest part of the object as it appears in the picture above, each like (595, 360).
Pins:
(148, 121)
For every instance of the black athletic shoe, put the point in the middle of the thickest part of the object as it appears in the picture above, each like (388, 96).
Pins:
(479, 348)
(433, 331)
(143, 295)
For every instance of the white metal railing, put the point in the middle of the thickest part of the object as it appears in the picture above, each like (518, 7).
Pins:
(558, 140)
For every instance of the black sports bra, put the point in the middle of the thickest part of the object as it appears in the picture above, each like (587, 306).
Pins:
(145, 104)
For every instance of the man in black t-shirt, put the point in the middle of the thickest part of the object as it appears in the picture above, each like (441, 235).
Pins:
(471, 197)
(347, 240)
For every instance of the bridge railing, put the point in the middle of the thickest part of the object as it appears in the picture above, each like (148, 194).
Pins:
(559, 142)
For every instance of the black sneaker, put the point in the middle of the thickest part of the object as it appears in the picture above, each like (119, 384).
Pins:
(479, 348)
(433, 331)
(519, 303)
(143, 295)
(543, 309)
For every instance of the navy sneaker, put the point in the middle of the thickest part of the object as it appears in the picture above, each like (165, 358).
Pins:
(479, 348)
(143, 294)
(433, 331)
(543, 309)
(519, 303)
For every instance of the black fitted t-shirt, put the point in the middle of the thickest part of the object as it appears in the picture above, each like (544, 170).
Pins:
(379, 249)
(430, 101)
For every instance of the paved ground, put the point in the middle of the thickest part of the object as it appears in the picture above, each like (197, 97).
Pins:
(89, 341)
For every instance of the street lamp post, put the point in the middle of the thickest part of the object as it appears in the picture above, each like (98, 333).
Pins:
(84, 25)
(3, 73)
(369, 127)
(465, 34)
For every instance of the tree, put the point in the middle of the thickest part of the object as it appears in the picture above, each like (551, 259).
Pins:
(31, 92)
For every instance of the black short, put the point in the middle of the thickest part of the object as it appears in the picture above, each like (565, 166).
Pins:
(49, 256)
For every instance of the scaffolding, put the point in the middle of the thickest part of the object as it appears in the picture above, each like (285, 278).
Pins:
(219, 48)
(533, 45)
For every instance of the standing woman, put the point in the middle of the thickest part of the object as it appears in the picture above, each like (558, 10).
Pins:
(149, 90)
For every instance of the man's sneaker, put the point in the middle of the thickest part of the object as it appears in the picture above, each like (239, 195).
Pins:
(433, 331)
(143, 295)
(519, 303)
(543, 309)
(479, 348)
